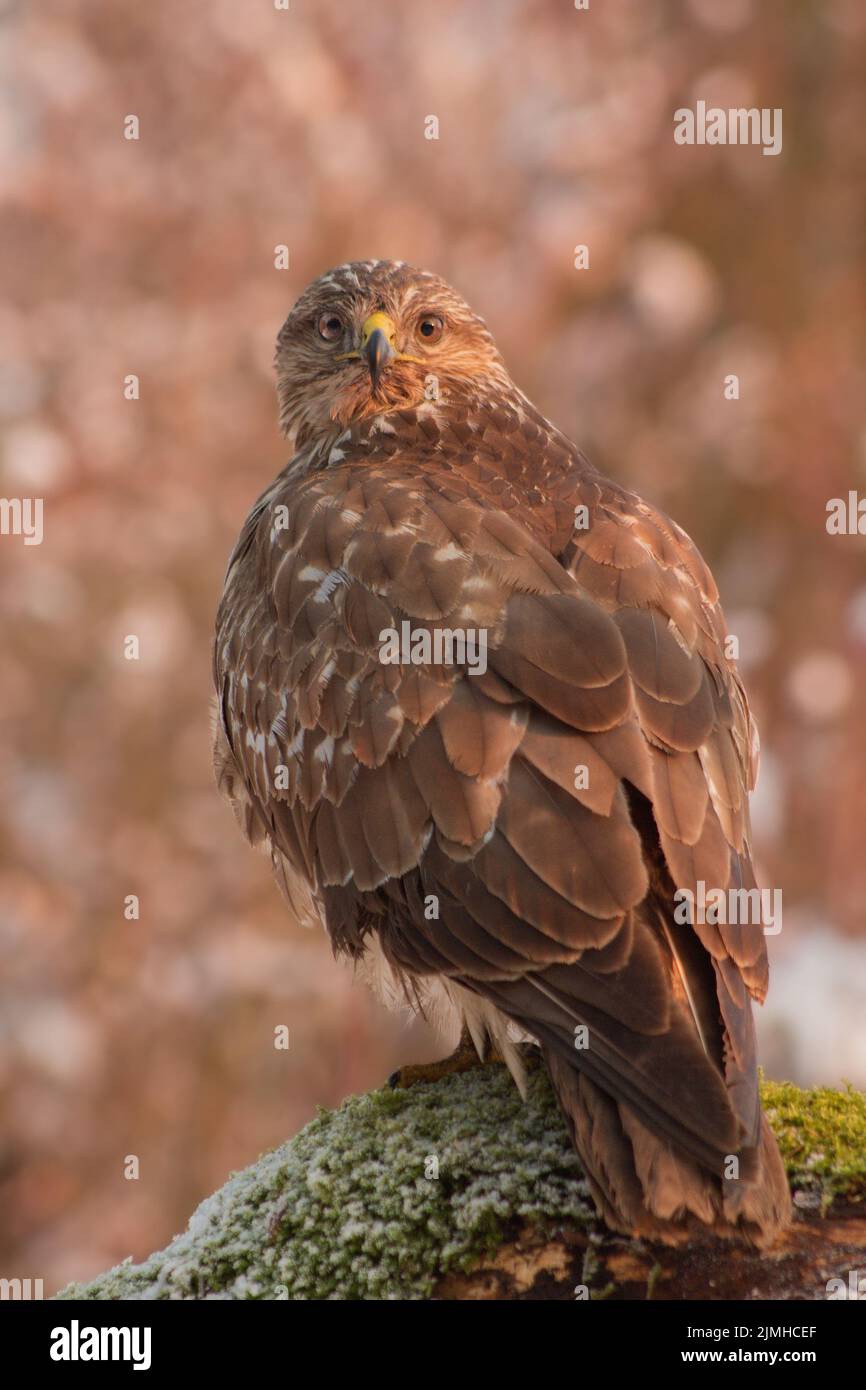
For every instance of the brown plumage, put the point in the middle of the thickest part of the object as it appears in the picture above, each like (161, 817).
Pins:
(509, 840)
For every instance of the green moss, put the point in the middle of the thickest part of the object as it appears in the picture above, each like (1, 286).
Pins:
(350, 1208)
(822, 1136)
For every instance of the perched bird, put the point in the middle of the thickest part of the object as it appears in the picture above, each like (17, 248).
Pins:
(474, 699)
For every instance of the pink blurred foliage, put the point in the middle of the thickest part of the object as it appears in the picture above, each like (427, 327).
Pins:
(156, 257)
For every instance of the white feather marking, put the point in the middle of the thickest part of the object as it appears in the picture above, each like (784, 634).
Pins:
(475, 583)
(451, 551)
(330, 582)
(379, 425)
(325, 751)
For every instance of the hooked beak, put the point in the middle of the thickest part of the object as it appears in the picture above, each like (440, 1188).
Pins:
(377, 345)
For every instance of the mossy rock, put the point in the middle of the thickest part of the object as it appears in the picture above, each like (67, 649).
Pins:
(450, 1189)
(822, 1135)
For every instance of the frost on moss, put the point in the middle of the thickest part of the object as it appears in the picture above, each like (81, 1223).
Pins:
(347, 1209)
(353, 1207)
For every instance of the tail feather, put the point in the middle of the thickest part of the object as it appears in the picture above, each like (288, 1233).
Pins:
(643, 1186)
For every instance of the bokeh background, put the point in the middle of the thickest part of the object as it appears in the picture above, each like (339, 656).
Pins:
(258, 128)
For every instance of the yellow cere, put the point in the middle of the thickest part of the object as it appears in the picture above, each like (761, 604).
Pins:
(375, 321)
(388, 327)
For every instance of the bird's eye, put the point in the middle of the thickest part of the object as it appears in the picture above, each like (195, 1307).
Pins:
(330, 327)
(430, 327)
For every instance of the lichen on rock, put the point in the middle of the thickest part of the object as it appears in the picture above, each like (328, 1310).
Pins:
(377, 1199)
(460, 1189)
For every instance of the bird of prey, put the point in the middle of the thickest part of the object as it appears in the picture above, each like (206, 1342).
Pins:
(475, 701)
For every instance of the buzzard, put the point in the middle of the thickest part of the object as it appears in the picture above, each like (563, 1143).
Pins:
(475, 701)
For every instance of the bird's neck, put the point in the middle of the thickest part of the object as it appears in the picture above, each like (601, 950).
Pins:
(485, 404)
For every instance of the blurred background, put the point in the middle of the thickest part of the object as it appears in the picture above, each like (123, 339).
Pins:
(156, 257)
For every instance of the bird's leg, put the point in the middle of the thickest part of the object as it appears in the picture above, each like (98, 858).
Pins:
(464, 1057)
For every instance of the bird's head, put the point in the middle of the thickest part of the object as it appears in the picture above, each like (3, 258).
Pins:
(373, 336)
